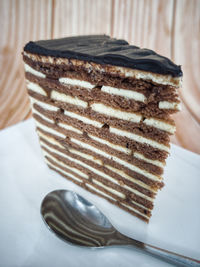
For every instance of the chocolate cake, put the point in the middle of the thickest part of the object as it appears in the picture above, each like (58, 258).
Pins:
(103, 111)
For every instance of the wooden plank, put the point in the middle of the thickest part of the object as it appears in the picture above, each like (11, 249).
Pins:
(186, 44)
(186, 52)
(80, 17)
(21, 21)
(144, 23)
(187, 131)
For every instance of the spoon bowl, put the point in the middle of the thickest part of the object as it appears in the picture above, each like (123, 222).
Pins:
(77, 221)
(74, 219)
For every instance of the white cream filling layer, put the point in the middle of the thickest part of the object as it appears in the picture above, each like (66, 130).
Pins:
(124, 175)
(62, 171)
(116, 159)
(160, 125)
(69, 127)
(83, 155)
(33, 71)
(49, 139)
(169, 105)
(109, 178)
(136, 211)
(95, 123)
(144, 75)
(69, 81)
(48, 129)
(43, 105)
(124, 92)
(106, 195)
(83, 119)
(41, 115)
(106, 188)
(139, 139)
(36, 88)
(80, 163)
(127, 151)
(100, 192)
(133, 117)
(103, 109)
(68, 99)
(89, 157)
(138, 193)
(86, 156)
(82, 174)
(154, 162)
(105, 142)
(141, 206)
(114, 192)
(118, 91)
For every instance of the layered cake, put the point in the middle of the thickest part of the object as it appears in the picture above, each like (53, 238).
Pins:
(102, 109)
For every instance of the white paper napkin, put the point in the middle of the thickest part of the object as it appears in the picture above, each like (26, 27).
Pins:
(25, 180)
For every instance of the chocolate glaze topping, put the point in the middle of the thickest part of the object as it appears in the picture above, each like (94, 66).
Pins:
(105, 50)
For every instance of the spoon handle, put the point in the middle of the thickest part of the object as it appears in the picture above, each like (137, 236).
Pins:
(171, 257)
(162, 254)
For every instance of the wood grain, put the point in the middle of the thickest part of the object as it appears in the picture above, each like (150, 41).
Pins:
(170, 27)
(81, 17)
(144, 23)
(20, 22)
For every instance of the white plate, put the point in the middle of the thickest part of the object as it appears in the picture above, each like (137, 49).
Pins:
(25, 180)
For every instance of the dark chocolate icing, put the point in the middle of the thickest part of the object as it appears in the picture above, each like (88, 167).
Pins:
(105, 50)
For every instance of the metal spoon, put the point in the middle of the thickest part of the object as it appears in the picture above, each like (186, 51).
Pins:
(74, 219)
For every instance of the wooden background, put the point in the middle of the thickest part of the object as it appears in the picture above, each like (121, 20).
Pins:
(171, 27)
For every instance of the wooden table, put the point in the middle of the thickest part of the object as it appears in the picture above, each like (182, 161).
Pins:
(171, 27)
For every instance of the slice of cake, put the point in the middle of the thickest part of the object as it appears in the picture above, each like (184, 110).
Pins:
(102, 109)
